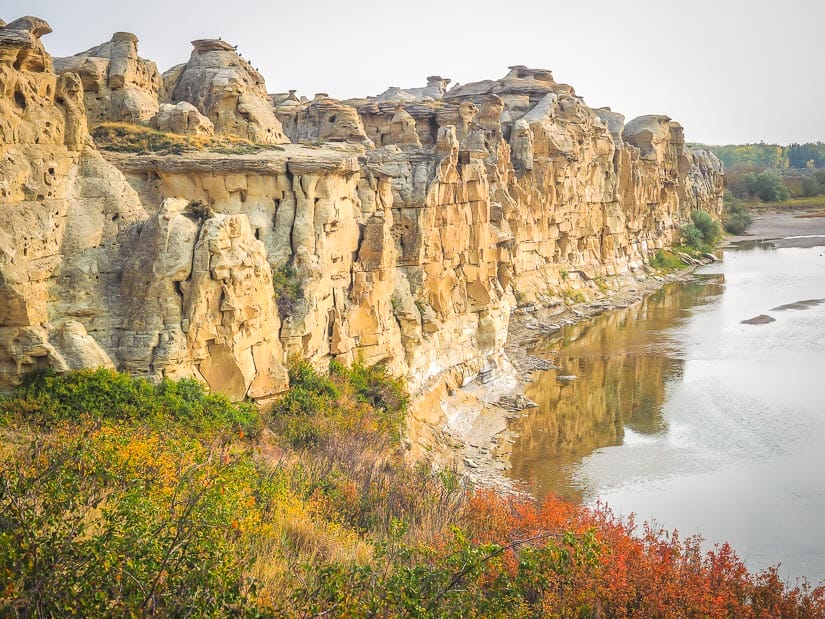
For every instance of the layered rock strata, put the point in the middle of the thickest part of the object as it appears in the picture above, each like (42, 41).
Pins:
(411, 225)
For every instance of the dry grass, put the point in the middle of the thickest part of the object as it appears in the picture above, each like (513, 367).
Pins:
(137, 139)
(791, 203)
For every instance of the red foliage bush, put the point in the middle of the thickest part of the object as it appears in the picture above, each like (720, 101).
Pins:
(652, 573)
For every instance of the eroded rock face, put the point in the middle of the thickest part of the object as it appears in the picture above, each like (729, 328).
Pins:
(321, 120)
(227, 90)
(435, 89)
(315, 213)
(64, 213)
(88, 278)
(183, 118)
(411, 238)
(118, 85)
(198, 303)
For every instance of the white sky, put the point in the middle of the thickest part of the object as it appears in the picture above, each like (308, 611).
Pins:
(730, 71)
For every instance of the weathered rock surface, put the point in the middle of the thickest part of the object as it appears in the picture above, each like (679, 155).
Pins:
(183, 118)
(118, 85)
(64, 213)
(412, 232)
(435, 89)
(198, 302)
(227, 90)
(321, 120)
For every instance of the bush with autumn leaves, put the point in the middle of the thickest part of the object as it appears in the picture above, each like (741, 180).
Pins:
(123, 498)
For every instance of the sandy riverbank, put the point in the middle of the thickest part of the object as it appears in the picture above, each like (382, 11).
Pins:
(787, 229)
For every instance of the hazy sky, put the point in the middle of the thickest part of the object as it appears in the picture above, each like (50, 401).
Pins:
(728, 70)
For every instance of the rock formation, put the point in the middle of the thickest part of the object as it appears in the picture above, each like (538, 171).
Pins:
(227, 90)
(412, 224)
(64, 214)
(118, 85)
(322, 120)
(183, 118)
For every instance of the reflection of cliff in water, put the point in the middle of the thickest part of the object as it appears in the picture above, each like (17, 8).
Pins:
(623, 361)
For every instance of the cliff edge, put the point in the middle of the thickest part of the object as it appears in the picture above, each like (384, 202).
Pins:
(401, 228)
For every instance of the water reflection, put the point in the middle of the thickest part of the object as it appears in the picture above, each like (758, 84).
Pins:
(623, 361)
(689, 417)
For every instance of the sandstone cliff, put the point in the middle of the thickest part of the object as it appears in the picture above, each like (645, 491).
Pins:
(411, 223)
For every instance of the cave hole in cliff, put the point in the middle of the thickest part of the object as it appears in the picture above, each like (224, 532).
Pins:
(332, 118)
(19, 99)
(563, 245)
(21, 58)
(258, 233)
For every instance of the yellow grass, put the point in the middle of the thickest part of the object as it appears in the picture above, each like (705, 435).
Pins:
(129, 138)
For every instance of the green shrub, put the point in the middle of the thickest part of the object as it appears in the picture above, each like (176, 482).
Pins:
(702, 233)
(358, 399)
(768, 186)
(109, 521)
(374, 386)
(708, 226)
(301, 416)
(692, 236)
(287, 289)
(46, 398)
(737, 217)
(810, 187)
(666, 261)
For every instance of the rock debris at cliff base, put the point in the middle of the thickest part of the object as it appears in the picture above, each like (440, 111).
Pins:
(410, 224)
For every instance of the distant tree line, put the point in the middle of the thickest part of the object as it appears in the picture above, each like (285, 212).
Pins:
(773, 173)
(797, 156)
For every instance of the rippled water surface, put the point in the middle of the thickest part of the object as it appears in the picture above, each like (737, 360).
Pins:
(683, 415)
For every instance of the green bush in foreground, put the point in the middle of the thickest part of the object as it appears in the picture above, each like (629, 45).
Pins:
(317, 406)
(102, 522)
(46, 398)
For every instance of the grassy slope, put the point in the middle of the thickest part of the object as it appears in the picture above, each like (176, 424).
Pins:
(122, 498)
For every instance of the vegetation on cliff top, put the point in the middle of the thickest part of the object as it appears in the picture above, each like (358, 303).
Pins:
(121, 498)
(137, 139)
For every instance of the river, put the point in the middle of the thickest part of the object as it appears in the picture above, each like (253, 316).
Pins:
(686, 417)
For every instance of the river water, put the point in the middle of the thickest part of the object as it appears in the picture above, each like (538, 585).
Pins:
(689, 418)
